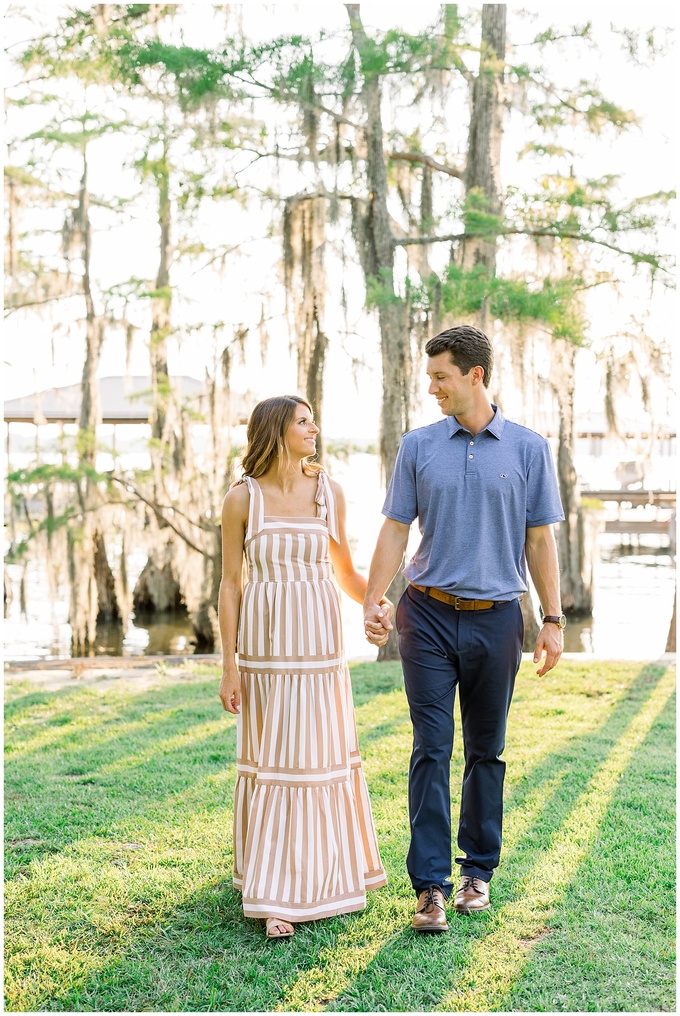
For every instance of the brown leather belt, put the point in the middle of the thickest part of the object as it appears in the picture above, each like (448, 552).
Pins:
(455, 601)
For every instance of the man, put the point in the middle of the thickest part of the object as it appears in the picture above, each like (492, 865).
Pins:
(485, 494)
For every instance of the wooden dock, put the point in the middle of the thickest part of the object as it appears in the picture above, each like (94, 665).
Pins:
(658, 498)
(636, 527)
(627, 499)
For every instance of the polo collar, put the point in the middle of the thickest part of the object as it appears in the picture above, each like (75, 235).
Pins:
(495, 427)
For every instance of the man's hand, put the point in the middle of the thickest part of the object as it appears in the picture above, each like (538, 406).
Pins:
(378, 621)
(551, 640)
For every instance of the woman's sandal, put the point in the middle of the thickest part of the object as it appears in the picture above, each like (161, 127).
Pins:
(278, 922)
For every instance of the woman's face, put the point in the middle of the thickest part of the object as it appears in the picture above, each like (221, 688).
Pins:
(301, 432)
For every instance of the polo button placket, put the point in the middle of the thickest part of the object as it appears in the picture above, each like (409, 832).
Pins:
(470, 463)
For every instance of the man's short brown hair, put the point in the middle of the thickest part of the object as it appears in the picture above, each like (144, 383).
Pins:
(468, 347)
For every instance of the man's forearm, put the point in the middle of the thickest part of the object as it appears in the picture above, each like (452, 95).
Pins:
(387, 558)
(543, 562)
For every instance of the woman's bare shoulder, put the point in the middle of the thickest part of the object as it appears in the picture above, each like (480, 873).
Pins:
(236, 500)
(335, 487)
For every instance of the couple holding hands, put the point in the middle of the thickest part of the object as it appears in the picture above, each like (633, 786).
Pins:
(485, 494)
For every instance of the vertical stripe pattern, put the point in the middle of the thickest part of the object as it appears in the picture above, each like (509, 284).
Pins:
(304, 841)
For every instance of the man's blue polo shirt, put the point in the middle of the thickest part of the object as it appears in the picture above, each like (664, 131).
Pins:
(474, 498)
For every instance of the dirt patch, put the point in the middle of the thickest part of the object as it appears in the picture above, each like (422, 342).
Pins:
(139, 677)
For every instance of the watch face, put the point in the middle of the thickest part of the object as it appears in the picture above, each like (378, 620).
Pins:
(562, 621)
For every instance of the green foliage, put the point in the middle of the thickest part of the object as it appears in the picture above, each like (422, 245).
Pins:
(45, 474)
(585, 106)
(551, 302)
(643, 46)
(552, 34)
(380, 290)
(196, 73)
(40, 482)
(21, 176)
(78, 138)
(586, 210)
(396, 52)
(592, 504)
(164, 293)
(478, 215)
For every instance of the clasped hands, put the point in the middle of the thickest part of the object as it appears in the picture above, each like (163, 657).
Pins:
(378, 621)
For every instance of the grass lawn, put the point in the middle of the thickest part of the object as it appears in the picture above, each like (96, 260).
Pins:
(118, 857)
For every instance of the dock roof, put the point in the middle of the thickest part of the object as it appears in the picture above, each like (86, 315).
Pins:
(123, 399)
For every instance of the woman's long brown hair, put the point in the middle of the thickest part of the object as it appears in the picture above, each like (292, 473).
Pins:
(266, 435)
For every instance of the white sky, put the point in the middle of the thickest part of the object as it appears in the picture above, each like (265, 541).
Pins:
(646, 159)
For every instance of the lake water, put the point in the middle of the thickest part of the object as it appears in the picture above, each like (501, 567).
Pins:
(633, 606)
(633, 596)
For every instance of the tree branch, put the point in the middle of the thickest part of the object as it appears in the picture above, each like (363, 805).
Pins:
(427, 160)
(582, 237)
(39, 303)
(290, 97)
(407, 241)
(156, 509)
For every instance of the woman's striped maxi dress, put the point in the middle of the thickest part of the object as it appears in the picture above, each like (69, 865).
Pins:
(304, 840)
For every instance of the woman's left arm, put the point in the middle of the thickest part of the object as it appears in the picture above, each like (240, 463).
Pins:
(348, 578)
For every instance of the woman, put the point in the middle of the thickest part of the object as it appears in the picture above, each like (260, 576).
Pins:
(304, 841)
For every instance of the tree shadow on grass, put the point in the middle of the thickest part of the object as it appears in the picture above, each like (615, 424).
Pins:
(204, 955)
(16, 703)
(199, 956)
(64, 789)
(187, 695)
(613, 950)
(568, 769)
(77, 789)
(187, 962)
(408, 974)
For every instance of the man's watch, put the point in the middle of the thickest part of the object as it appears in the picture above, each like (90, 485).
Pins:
(560, 621)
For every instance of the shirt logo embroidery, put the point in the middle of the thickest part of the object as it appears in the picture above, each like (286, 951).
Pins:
(503, 476)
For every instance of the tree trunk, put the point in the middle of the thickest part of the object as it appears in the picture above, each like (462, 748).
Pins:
(482, 168)
(483, 187)
(304, 243)
(107, 601)
(576, 551)
(315, 381)
(84, 605)
(378, 264)
(167, 446)
(158, 588)
(205, 620)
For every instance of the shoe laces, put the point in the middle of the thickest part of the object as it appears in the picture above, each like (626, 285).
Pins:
(470, 882)
(430, 903)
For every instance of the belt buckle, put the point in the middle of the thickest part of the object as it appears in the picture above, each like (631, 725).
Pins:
(456, 602)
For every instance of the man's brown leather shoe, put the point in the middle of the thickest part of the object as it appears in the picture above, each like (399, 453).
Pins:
(430, 914)
(472, 895)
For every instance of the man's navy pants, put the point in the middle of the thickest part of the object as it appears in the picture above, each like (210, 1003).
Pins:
(478, 651)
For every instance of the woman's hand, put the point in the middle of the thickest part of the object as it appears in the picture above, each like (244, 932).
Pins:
(378, 621)
(230, 690)
(388, 610)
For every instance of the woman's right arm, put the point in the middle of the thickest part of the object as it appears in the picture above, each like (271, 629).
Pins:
(234, 521)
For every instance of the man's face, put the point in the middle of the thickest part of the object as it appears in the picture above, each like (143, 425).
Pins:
(452, 390)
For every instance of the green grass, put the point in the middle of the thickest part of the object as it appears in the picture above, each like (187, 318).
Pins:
(118, 857)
